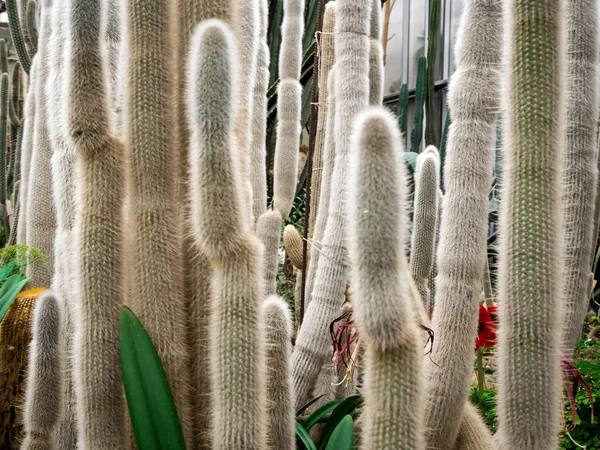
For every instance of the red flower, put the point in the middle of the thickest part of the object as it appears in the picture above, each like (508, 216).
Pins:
(486, 332)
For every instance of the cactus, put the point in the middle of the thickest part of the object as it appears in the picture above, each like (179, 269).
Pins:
(44, 378)
(580, 170)
(393, 414)
(432, 41)
(473, 433)
(328, 292)
(426, 209)
(289, 95)
(3, 124)
(376, 71)
(416, 135)
(268, 230)
(531, 271)
(326, 60)
(14, 114)
(16, 26)
(3, 57)
(278, 350)
(294, 246)
(258, 149)
(403, 110)
(15, 334)
(221, 231)
(474, 100)
(99, 187)
(31, 37)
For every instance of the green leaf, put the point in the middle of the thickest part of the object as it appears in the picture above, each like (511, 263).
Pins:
(6, 271)
(9, 291)
(304, 437)
(411, 157)
(343, 435)
(309, 404)
(319, 413)
(347, 406)
(151, 407)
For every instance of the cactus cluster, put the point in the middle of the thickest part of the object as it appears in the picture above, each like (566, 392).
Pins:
(137, 164)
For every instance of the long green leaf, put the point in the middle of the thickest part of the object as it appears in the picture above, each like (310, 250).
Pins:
(342, 437)
(347, 406)
(9, 291)
(304, 437)
(308, 405)
(319, 413)
(151, 407)
(6, 271)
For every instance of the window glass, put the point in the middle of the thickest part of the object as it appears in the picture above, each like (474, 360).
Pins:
(416, 40)
(393, 58)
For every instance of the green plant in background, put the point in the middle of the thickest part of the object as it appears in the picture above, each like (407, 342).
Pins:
(416, 135)
(403, 109)
(485, 402)
(432, 40)
(21, 255)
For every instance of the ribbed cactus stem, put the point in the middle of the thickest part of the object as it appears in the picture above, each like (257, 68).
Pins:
(268, 230)
(580, 169)
(326, 60)
(258, 150)
(393, 414)
(426, 209)
(26, 151)
(100, 177)
(313, 345)
(289, 107)
(3, 57)
(41, 214)
(16, 25)
(3, 127)
(293, 243)
(473, 433)
(531, 266)
(474, 99)
(220, 228)
(280, 410)
(375, 57)
(43, 400)
(31, 36)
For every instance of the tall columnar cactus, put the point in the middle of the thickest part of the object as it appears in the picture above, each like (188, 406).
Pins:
(99, 187)
(44, 375)
(473, 433)
(375, 56)
(155, 278)
(289, 107)
(326, 60)
(426, 209)
(3, 127)
(531, 269)
(31, 35)
(14, 114)
(280, 394)
(220, 228)
(113, 30)
(313, 344)
(268, 230)
(474, 101)
(258, 151)
(416, 135)
(63, 192)
(393, 414)
(293, 243)
(16, 23)
(41, 214)
(26, 151)
(581, 172)
(322, 213)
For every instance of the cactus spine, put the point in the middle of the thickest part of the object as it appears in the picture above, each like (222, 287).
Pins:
(426, 209)
(280, 408)
(44, 378)
(326, 59)
(375, 56)
(328, 293)
(268, 230)
(474, 101)
(393, 414)
(531, 256)
(473, 433)
(98, 235)
(3, 127)
(581, 172)
(16, 31)
(289, 95)
(293, 243)
(220, 228)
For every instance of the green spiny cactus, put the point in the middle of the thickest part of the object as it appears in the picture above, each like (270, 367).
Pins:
(258, 149)
(15, 124)
(531, 266)
(15, 84)
(3, 57)
(268, 230)
(3, 126)
(100, 178)
(426, 209)
(155, 278)
(31, 37)
(326, 60)
(12, 239)
(220, 228)
(581, 173)
(403, 109)
(416, 135)
(41, 213)
(313, 344)
(280, 410)
(432, 41)
(375, 57)
(289, 95)
(393, 414)
(15, 25)
(44, 375)
(474, 98)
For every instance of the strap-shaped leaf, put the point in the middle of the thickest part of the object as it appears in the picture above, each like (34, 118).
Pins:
(347, 406)
(343, 435)
(9, 291)
(304, 437)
